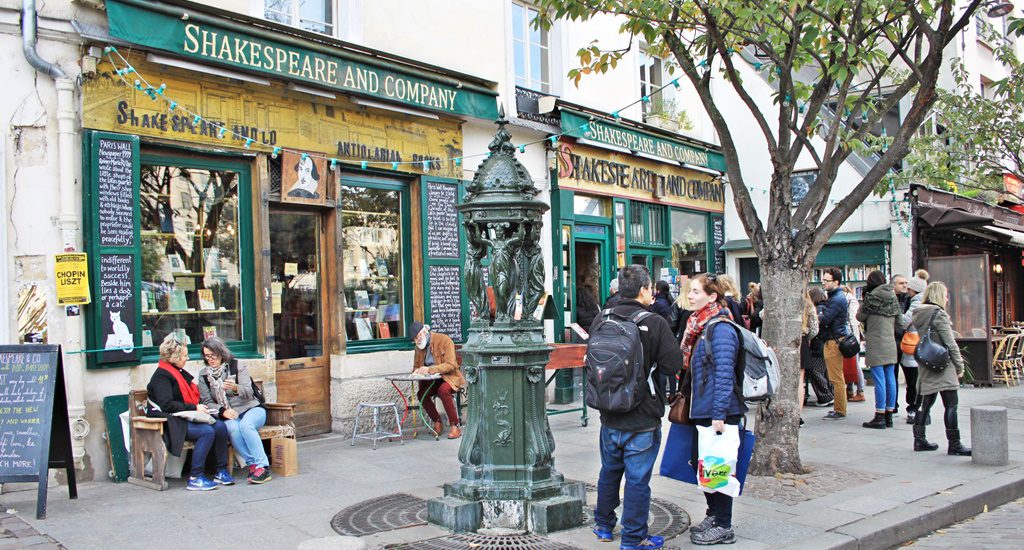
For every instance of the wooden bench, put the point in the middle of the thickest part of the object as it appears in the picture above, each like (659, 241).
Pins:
(147, 437)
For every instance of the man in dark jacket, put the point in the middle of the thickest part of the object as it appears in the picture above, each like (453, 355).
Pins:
(613, 295)
(835, 323)
(630, 440)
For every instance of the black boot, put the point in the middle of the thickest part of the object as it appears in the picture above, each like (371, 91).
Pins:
(911, 417)
(877, 423)
(955, 447)
(888, 419)
(920, 443)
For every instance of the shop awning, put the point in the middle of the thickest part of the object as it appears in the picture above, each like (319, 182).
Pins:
(849, 237)
(936, 217)
(1016, 237)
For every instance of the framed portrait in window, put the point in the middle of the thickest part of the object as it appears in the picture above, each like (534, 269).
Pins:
(303, 178)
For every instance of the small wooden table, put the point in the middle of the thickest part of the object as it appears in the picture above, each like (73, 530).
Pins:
(568, 356)
(412, 379)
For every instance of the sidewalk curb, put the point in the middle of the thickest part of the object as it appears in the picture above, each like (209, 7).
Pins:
(921, 517)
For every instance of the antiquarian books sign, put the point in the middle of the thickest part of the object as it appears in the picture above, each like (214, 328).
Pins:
(225, 43)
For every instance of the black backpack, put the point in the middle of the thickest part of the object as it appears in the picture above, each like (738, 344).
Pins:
(233, 371)
(616, 377)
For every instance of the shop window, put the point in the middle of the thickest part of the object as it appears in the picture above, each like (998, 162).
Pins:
(530, 50)
(375, 260)
(689, 242)
(192, 260)
(309, 15)
(583, 205)
(655, 224)
(636, 222)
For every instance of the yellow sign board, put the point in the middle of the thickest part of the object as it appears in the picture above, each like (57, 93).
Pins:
(72, 272)
(271, 116)
(604, 172)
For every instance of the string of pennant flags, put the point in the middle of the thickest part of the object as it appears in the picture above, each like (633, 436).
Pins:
(124, 71)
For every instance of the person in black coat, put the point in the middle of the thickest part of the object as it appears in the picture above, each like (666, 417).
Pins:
(613, 296)
(172, 391)
(662, 306)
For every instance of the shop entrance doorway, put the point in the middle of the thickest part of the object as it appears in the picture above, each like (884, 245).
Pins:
(590, 288)
(300, 302)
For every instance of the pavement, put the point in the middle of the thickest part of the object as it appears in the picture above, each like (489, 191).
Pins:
(1000, 528)
(866, 489)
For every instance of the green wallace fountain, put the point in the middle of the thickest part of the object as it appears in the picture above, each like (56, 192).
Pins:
(508, 479)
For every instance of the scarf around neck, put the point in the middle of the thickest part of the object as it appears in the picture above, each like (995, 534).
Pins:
(189, 390)
(216, 378)
(694, 327)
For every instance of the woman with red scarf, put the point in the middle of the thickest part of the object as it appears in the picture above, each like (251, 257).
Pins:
(714, 400)
(172, 390)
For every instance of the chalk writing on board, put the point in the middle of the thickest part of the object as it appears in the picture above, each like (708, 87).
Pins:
(116, 193)
(442, 221)
(117, 300)
(24, 379)
(446, 300)
(718, 240)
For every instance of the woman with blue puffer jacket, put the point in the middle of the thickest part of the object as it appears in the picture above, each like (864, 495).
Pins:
(714, 401)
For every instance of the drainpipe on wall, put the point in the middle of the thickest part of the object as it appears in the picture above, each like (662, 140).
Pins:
(69, 221)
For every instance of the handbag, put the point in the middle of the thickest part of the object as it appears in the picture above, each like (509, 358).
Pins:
(849, 345)
(679, 456)
(679, 404)
(908, 344)
(196, 416)
(930, 353)
(850, 370)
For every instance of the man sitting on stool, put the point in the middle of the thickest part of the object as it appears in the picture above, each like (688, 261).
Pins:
(435, 354)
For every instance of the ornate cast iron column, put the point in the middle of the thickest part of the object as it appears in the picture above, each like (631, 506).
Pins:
(508, 478)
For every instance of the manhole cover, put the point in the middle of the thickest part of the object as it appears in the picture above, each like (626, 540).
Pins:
(665, 519)
(380, 514)
(464, 541)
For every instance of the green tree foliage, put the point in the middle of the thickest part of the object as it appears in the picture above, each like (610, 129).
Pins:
(838, 67)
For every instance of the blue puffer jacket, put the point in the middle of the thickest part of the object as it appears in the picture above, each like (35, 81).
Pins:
(714, 386)
(835, 320)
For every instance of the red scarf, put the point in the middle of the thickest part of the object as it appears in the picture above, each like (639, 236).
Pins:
(694, 328)
(189, 390)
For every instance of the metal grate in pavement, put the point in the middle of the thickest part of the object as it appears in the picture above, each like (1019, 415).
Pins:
(385, 513)
(665, 519)
(462, 541)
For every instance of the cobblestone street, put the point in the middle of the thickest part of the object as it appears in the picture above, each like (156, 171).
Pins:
(15, 533)
(999, 528)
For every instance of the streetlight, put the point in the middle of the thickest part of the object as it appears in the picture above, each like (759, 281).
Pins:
(999, 9)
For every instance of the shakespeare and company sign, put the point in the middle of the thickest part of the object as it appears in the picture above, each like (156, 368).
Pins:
(595, 170)
(580, 126)
(269, 115)
(224, 45)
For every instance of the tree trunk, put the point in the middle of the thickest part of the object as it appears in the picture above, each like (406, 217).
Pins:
(777, 427)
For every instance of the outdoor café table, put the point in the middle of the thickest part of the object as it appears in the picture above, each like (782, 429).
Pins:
(568, 356)
(412, 379)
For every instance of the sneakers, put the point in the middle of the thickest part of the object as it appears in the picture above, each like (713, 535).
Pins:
(704, 525)
(714, 535)
(650, 543)
(258, 474)
(223, 477)
(603, 535)
(821, 403)
(200, 483)
(833, 415)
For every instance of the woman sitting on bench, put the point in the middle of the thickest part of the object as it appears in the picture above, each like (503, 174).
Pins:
(172, 390)
(225, 387)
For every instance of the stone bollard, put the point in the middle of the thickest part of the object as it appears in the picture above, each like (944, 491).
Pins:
(990, 438)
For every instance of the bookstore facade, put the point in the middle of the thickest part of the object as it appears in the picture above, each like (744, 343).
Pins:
(292, 221)
(614, 206)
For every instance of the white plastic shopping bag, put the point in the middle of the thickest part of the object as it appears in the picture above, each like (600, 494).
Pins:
(716, 460)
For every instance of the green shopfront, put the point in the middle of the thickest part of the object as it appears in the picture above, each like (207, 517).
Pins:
(622, 196)
(238, 182)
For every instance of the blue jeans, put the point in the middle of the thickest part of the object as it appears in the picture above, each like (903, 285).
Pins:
(885, 387)
(245, 436)
(208, 437)
(632, 453)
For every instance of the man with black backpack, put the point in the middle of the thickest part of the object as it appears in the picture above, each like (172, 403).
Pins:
(627, 343)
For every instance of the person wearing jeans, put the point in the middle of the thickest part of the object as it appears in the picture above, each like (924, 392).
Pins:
(630, 440)
(207, 437)
(882, 316)
(227, 390)
(834, 322)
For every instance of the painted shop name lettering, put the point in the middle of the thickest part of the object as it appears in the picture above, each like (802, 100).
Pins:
(309, 66)
(645, 144)
(183, 124)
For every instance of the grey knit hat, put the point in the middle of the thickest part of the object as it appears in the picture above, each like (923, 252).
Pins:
(917, 284)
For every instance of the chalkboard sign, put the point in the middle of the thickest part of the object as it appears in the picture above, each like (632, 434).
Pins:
(446, 300)
(34, 431)
(117, 308)
(442, 220)
(717, 241)
(115, 192)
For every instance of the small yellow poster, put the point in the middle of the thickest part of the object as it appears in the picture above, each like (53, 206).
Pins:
(72, 272)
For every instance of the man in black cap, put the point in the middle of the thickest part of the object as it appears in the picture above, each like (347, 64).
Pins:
(435, 354)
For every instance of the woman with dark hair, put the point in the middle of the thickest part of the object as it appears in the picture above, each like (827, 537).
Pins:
(714, 401)
(226, 389)
(881, 315)
(753, 305)
(662, 301)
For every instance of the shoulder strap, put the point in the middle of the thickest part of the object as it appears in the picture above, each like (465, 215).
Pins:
(640, 315)
(932, 318)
